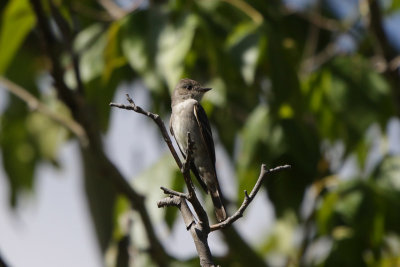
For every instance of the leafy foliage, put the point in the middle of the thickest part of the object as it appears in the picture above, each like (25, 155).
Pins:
(268, 106)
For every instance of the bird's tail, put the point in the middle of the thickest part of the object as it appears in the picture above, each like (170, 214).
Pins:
(218, 206)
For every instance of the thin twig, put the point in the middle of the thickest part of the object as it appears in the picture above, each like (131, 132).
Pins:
(201, 214)
(171, 201)
(248, 198)
(156, 118)
(34, 104)
(168, 191)
(201, 229)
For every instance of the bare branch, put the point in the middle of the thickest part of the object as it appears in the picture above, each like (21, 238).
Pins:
(3, 262)
(168, 191)
(248, 198)
(156, 118)
(34, 104)
(171, 201)
(198, 234)
(202, 215)
(200, 229)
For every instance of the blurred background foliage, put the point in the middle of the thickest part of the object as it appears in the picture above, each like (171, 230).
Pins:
(309, 83)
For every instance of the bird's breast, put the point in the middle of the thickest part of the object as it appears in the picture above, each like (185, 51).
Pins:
(183, 121)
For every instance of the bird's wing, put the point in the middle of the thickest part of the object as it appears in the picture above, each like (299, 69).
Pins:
(205, 131)
(172, 132)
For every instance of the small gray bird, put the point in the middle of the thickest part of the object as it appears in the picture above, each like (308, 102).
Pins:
(189, 116)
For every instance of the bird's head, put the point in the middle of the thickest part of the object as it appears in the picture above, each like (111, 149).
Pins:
(188, 89)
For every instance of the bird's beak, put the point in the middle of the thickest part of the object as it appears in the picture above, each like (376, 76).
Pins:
(203, 90)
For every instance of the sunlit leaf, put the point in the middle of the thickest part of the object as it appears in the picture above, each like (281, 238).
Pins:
(17, 21)
(112, 53)
(173, 44)
(139, 36)
(388, 173)
(90, 44)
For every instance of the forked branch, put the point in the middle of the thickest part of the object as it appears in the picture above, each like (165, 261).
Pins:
(201, 228)
(248, 198)
(201, 214)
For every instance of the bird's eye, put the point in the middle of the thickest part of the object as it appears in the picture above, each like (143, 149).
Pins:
(189, 87)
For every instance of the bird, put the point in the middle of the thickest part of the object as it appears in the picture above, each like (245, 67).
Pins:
(189, 116)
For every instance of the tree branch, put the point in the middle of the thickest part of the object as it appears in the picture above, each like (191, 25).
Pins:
(3, 262)
(248, 198)
(201, 229)
(196, 230)
(156, 118)
(34, 104)
(201, 214)
(168, 191)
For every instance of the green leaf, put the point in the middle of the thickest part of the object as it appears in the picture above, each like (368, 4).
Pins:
(102, 68)
(343, 96)
(244, 45)
(254, 132)
(17, 21)
(158, 48)
(139, 43)
(19, 153)
(173, 45)
(148, 183)
(47, 134)
(388, 173)
(90, 43)
(394, 7)
(349, 205)
(325, 213)
(112, 53)
(285, 84)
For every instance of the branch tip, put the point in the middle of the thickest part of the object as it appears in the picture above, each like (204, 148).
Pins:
(248, 198)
